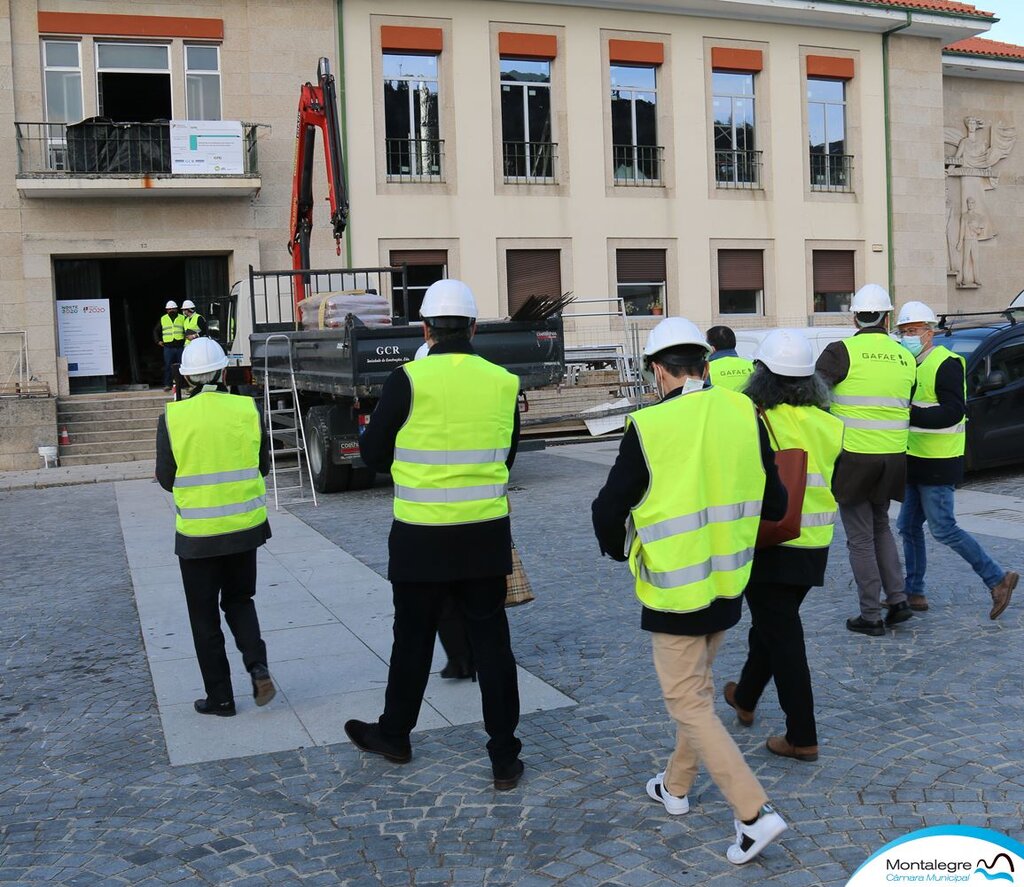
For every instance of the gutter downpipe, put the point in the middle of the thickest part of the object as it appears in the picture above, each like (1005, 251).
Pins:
(343, 119)
(888, 144)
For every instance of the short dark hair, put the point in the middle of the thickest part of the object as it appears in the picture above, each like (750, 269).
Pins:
(682, 360)
(721, 338)
(449, 334)
(869, 319)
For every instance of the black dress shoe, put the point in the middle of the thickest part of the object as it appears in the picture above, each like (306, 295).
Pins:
(206, 707)
(898, 613)
(368, 738)
(458, 670)
(861, 625)
(263, 689)
(507, 776)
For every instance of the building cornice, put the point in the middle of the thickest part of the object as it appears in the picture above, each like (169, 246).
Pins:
(982, 67)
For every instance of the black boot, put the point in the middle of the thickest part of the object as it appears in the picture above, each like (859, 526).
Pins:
(223, 709)
(507, 775)
(863, 626)
(458, 670)
(368, 738)
(898, 613)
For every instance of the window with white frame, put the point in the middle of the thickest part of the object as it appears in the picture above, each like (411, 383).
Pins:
(133, 81)
(826, 129)
(640, 280)
(636, 156)
(527, 149)
(62, 78)
(737, 162)
(202, 82)
(413, 146)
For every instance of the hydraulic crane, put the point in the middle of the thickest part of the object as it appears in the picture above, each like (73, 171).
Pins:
(318, 108)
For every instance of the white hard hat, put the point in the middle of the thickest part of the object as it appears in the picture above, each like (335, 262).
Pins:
(422, 351)
(188, 303)
(674, 331)
(448, 298)
(871, 298)
(170, 305)
(916, 312)
(202, 356)
(787, 353)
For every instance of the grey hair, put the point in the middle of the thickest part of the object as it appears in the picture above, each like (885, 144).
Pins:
(768, 389)
(203, 378)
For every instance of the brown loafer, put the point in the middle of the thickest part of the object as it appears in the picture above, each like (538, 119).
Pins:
(918, 602)
(746, 718)
(779, 745)
(1001, 594)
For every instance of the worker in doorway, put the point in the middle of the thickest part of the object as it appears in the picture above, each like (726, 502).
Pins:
(169, 334)
(684, 511)
(212, 453)
(793, 400)
(872, 378)
(193, 322)
(935, 462)
(446, 427)
(725, 367)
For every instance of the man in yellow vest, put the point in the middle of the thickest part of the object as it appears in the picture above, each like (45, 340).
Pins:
(871, 377)
(935, 451)
(169, 334)
(725, 367)
(684, 511)
(212, 454)
(447, 427)
(193, 323)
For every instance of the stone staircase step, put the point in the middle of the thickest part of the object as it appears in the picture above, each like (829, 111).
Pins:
(142, 436)
(104, 458)
(108, 445)
(69, 405)
(142, 425)
(104, 415)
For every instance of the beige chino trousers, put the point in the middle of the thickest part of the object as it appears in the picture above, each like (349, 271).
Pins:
(683, 664)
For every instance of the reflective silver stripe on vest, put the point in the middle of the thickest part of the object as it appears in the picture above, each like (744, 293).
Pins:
(816, 480)
(817, 519)
(720, 563)
(454, 494)
(716, 514)
(877, 424)
(451, 457)
(924, 404)
(221, 510)
(856, 400)
(952, 429)
(217, 477)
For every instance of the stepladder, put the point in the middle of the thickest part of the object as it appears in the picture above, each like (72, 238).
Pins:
(291, 476)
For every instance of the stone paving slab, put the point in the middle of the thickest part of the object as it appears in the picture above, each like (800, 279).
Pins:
(70, 475)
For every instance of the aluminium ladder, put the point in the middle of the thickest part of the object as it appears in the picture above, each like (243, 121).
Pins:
(283, 423)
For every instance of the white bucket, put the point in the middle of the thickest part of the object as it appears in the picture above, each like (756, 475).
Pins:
(49, 455)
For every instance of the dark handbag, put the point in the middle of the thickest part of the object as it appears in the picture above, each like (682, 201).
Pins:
(792, 466)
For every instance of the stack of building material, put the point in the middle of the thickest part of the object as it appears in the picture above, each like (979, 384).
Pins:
(328, 310)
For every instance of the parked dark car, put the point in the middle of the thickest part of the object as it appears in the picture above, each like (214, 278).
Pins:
(995, 388)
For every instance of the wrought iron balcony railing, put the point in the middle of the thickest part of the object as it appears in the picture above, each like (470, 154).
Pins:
(98, 147)
(637, 164)
(415, 160)
(738, 169)
(831, 172)
(530, 162)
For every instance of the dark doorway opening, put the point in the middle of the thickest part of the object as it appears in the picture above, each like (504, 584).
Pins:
(128, 98)
(138, 288)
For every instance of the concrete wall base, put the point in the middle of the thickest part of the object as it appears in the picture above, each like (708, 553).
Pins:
(26, 423)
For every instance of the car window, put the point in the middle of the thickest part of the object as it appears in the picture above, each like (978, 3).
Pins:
(1011, 361)
(961, 345)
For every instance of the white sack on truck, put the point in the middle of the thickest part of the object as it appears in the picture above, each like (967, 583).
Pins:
(330, 310)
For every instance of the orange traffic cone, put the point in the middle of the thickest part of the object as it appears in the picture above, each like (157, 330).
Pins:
(65, 439)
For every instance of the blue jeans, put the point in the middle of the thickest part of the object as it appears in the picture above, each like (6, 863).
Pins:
(934, 503)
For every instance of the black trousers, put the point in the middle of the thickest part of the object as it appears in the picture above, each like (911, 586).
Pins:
(776, 650)
(451, 629)
(172, 355)
(230, 582)
(418, 607)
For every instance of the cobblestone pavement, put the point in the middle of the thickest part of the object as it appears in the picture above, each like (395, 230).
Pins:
(921, 727)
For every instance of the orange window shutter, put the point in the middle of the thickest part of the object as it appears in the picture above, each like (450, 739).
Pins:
(130, 25)
(404, 39)
(636, 52)
(830, 66)
(527, 46)
(725, 58)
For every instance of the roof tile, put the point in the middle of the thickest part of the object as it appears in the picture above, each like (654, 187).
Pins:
(981, 46)
(935, 5)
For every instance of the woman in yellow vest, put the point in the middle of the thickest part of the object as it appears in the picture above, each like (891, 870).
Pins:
(935, 450)
(684, 509)
(793, 400)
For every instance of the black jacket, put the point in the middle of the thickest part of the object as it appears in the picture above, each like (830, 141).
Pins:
(949, 391)
(626, 485)
(189, 547)
(419, 553)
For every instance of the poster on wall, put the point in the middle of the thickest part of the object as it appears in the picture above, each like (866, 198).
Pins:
(206, 147)
(83, 332)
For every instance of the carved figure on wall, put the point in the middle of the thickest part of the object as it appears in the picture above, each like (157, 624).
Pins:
(972, 159)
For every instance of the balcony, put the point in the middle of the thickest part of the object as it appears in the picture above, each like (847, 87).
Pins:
(831, 172)
(101, 158)
(738, 169)
(530, 163)
(415, 160)
(639, 165)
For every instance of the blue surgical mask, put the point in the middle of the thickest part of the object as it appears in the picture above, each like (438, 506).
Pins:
(913, 344)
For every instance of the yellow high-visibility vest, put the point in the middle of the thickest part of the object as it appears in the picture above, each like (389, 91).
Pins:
(191, 323)
(730, 372)
(218, 488)
(449, 465)
(874, 399)
(691, 538)
(821, 436)
(172, 328)
(936, 443)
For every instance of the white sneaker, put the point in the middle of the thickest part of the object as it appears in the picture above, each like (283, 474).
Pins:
(752, 839)
(657, 791)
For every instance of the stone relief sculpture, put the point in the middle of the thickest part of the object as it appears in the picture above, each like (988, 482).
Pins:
(971, 161)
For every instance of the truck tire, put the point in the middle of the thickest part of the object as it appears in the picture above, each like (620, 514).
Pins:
(327, 477)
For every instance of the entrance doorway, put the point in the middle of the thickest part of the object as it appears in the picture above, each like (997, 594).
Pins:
(137, 287)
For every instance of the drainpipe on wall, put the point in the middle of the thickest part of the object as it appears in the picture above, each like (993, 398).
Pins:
(339, 81)
(888, 146)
